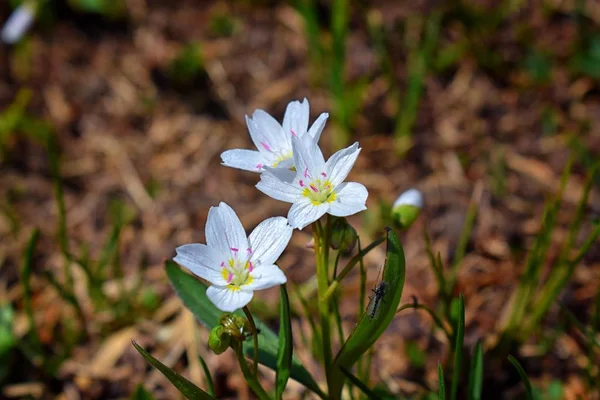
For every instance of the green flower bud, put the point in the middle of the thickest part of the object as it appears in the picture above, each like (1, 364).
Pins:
(219, 339)
(343, 236)
(237, 326)
(407, 208)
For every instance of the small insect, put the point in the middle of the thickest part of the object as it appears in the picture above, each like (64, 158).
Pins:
(379, 292)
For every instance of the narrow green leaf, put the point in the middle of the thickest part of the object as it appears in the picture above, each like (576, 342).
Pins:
(285, 350)
(27, 293)
(458, 346)
(476, 374)
(378, 316)
(524, 378)
(192, 293)
(187, 388)
(441, 383)
(209, 380)
(360, 384)
(141, 393)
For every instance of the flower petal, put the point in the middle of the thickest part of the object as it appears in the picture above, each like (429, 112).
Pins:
(202, 260)
(308, 158)
(224, 231)
(350, 198)
(317, 127)
(276, 183)
(340, 164)
(248, 160)
(304, 212)
(267, 134)
(266, 276)
(295, 119)
(268, 240)
(228, 300)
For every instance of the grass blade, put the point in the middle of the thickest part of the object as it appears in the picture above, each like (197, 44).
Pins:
(209, 380)
(441, 383)
(185, 387)
(285, 350)
(360, 384)
(27, 293)
(476, 374)
(458, 346)
(523, 375)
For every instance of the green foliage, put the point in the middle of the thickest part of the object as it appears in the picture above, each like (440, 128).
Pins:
(371, 325)
(141, 394)
(188, 65)
(285, 350)
(476, 374)
(193, 295)
(524, 378)
(441, 383)
(185, 387)
(112, 9)
(459, 337)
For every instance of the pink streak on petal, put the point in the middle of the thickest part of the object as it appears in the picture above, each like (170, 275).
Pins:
(293, 133)
(266, 146)
(259, 166)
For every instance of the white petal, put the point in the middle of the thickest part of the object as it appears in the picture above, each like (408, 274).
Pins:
(228, 300)
(224, 231)
(304, 212)
(266, 276)
(267, 134)
(317, 127)
(340, 164)
(350, 198)
(295, 119)
(202, 260)
(273, 186)
(269, 239)
(308, 158)
(248, 160)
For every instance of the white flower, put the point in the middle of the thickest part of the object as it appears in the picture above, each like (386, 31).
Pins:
(316, 187)
(411, 197)
(236, 266)
(274, 141)
(18, 23)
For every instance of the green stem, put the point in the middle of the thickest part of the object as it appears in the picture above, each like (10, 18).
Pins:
(254, 337)
(322, 260)
(251, 378)
(353, 261)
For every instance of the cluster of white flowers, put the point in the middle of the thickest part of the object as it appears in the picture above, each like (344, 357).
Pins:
(293, 170)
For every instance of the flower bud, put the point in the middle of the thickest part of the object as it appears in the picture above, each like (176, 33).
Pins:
(343, 235)
(237, 326)
(407, 208)
(18, 23)
(219, 339)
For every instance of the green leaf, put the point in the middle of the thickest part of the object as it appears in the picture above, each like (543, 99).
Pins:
(285, 351)
(193, 294)
(187, 388)
(524, 378)
(476, 374)
(378, 316)
(209, 380)
(458, 346)
(27, 293)
(360, 384)
(141, 394)
(441, 383)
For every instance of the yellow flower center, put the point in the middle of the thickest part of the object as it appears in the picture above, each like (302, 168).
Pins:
(318, 191)
(237, 271)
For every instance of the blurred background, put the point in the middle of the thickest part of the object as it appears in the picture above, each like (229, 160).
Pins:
(113, 115)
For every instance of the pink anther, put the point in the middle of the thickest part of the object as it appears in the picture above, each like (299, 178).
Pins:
(314, 189)
(259, 166)
(301, 182)
(250, 266)
(323, 174)
(306, 173)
